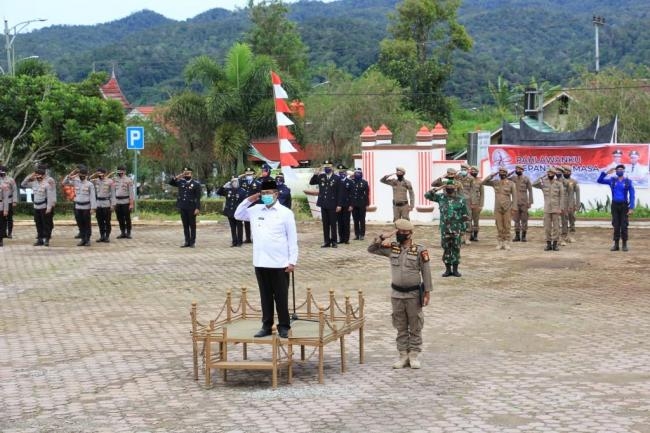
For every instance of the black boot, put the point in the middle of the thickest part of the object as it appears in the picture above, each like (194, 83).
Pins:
(101, 238)
(615, 246)
(476, 236)
(106, 238)
(447, 272)
(39, 242)
(555, 247)
(624, 245)
(471, 237)
(456, 273)
(128, 234)
(517, 238)
(1, 244)
(523, 236)
(548, 246)
(46, 242)
(122, 235)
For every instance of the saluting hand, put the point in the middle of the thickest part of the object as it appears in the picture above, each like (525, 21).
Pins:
(253, 198)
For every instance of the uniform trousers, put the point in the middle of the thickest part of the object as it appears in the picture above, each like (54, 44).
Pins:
(82, 216)
(359, 218)
(3, 225)
(189, 225)
(44, 223)
(401, 212)
(476, 216)
(236, 230)
(274, 288)
(103, 216)
(520, 217)
(409, 321)
(620, 220)
(329, 225)
(551, 226)
(10, 221)
(247, 230)
(571, 215)
(123, 214)
(502, 219)
(343, 224)
(450, 249)
(564, 226)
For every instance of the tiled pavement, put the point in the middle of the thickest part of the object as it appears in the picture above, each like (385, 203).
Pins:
(96, 339)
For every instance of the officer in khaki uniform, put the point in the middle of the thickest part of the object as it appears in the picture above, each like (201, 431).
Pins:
(105, 190)
(13, 199)
(553, 190)
(505, 198)
(573, 200)
(85, 202)
(403, 195)
(524, 202)
(411, 283)
(476, 201)
(124, 201)
(466, 181)
(44, 200)
(5, 206)
(564, 221)
(451, 176)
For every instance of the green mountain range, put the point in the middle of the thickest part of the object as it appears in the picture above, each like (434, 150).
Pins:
(550, 40)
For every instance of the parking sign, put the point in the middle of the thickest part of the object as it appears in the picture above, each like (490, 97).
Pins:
(135, 137)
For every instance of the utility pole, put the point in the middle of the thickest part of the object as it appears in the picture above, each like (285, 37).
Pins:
(598, 21)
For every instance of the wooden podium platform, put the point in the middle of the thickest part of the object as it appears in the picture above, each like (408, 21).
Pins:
(316, 326)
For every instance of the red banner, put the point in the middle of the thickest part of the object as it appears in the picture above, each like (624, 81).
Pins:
(586, 162)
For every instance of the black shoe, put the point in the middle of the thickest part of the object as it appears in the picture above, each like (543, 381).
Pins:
(325, 245)
(9, 236)
(81, 243)
(38, 243)
(555, 247)
(185, 245)
(283, 333)
(455, 273)
(234, 244)
(333, 245)
(361, 237)
(475, 236)
(548, 246)
(101, 239)
(517, 238)
(121, 236)
(106, 239)
(614, 247)
(248, 241)
(356, 238)
(87, 243)
(447, 272)
(624, 248)
(128, 235)
(262, 333)
(46, 242)
(192, 245)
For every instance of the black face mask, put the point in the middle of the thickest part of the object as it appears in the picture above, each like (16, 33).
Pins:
(82, 177)
(39, 178)
(3, 174)
(503, 176)
(566, 176)
(400, 177)
(401, 237)
(474, 174)
(519, 173)
(450, 191)
(187, 177)
(551, 176)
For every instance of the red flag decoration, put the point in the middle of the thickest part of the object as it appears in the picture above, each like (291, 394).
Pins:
(287, 160)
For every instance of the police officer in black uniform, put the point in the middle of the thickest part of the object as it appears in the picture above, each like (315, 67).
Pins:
(188, 202)
(234, 195)
(329, 201)
(359, 201)
(252, 186)
(343, 217)
(284, 192)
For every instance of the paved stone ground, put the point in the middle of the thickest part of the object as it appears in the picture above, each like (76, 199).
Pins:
(96, 339)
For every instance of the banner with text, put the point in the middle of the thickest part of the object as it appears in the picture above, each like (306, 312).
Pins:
(585, 161)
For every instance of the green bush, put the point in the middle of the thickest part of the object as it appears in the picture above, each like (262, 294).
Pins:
(208, 206)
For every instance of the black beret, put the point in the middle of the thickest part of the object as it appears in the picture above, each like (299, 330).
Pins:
(268, 183)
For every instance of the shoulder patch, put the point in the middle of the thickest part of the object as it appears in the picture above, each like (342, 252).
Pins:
(425, 256)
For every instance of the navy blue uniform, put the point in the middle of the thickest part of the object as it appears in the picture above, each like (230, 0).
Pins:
(284, 195)
(359, 200)
(233, 197)
(343, 218)
(329, 198)
(251, 187)
(623, 201)
(188, 201)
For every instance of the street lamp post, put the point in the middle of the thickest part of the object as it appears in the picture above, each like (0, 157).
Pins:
(598, 22)
(9, 40)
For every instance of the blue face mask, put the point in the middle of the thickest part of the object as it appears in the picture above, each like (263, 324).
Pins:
(358, 175)
(328, 170)
(249, 178)
(620, 173)
(268, 199)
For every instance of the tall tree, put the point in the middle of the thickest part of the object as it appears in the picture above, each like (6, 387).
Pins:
(425, 33)
(613, 93)
(45, 120)
(274, 35)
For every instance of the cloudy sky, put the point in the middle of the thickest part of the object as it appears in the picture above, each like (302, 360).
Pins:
(93, 12)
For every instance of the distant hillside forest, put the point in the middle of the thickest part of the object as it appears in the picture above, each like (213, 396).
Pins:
(550, 40)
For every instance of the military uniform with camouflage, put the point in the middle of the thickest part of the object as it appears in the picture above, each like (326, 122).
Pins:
(453, 222)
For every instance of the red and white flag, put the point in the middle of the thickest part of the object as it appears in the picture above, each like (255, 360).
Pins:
(287, 160)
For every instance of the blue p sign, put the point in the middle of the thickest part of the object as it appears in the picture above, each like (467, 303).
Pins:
(135, 137)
